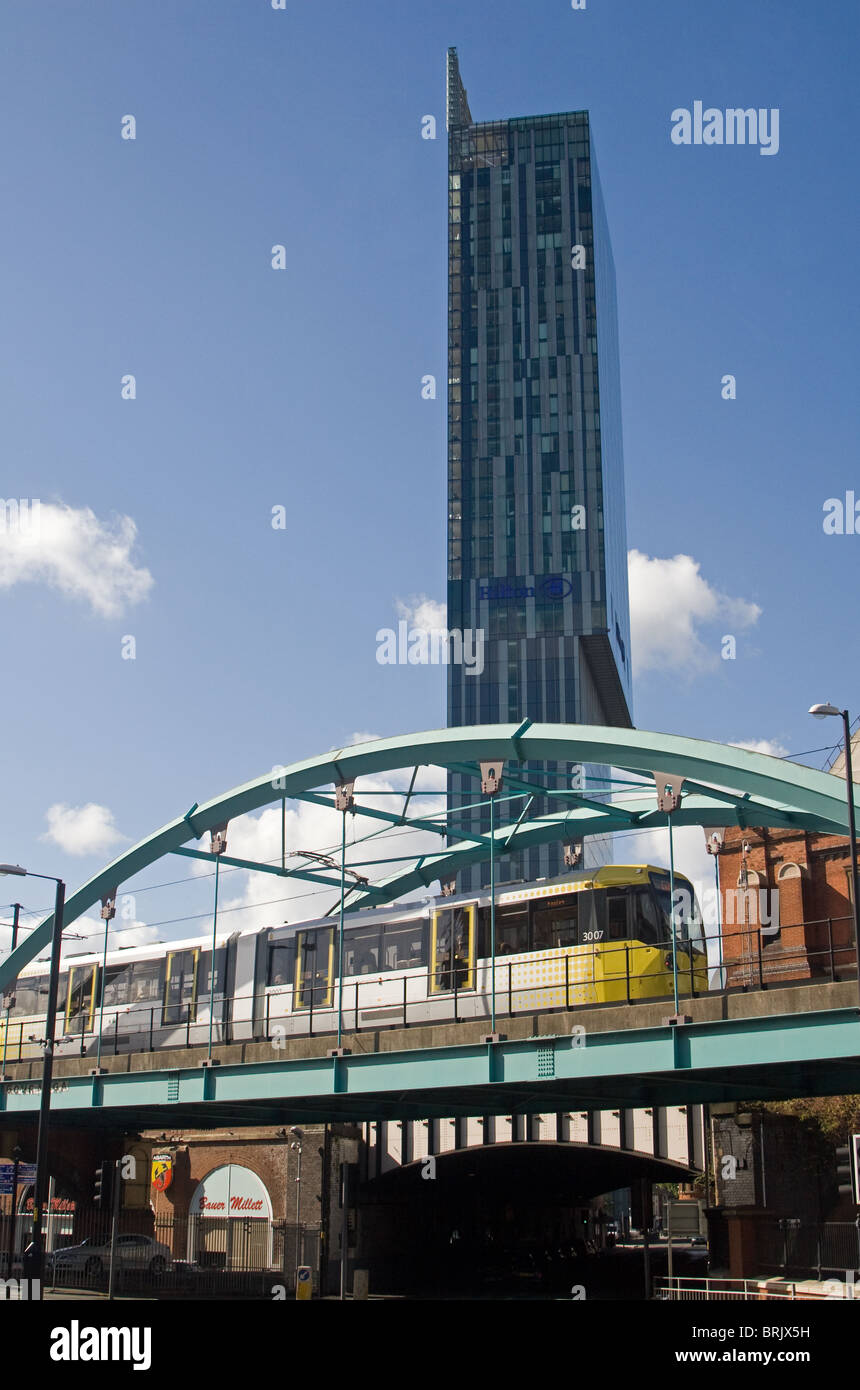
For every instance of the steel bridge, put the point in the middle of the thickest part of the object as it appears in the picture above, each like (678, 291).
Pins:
(782, 1042)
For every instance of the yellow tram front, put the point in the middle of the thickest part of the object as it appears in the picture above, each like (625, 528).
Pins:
(596, 937)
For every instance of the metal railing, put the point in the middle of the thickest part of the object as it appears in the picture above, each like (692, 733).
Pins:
(790, 1245)
(459, 993)
(166, 1256)
(679, 1288)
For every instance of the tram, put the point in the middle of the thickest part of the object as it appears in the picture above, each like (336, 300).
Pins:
(598, 936)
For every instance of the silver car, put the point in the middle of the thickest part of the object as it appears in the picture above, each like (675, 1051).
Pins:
(93, 1257)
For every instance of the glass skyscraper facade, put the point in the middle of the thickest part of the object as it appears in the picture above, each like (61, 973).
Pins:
(537, 550)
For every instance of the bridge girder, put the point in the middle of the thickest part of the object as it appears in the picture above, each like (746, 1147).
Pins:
(732, 786)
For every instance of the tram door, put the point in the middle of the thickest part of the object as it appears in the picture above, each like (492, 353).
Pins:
(314, 964)
(452, 949)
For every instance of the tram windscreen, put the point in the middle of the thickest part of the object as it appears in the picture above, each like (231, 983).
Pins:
(689, 931)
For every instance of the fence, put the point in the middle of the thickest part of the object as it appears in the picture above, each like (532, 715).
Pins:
(170, 1256)
(680, 1290)
(795, 1247)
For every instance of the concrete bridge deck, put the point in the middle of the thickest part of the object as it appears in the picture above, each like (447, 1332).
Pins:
(772, 1044)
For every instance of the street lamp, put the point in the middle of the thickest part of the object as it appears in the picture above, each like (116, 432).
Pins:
(823, 712)
(34, 1256)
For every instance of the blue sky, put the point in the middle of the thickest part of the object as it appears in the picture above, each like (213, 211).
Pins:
(301, 388)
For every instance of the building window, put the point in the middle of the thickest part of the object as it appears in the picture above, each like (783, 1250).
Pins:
(789, 871)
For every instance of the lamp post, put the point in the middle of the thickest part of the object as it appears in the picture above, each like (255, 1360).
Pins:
(217, 847)
(16, 908)
(491, 785)
(13, 1211)
(668, 800)
(714, 843)
(296, 1146)
(35, 1255)
(822, 712)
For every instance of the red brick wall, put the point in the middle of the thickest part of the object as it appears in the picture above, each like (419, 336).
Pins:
(815, 914)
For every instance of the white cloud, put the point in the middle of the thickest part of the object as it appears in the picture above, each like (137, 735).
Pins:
(130, 934)
(761, 745)
(652, 847)
(71, 550)
(265, 901)
(422, 613)
(88, 934)
(85, 829)
(670, 602)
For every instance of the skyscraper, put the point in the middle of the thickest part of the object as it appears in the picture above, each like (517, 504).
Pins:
(536, 532)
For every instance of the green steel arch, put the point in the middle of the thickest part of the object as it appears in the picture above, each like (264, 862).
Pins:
(723, 785)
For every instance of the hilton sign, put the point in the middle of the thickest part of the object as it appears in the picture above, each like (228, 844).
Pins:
(553, 589)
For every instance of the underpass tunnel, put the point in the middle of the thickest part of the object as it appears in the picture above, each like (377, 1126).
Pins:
(507, 1217)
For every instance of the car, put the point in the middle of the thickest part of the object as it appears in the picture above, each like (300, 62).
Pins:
(93, 1256)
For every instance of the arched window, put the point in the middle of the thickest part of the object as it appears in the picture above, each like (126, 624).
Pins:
(790, 870)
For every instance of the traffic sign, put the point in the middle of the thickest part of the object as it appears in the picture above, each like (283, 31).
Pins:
(26, 1173)
(304, 1282)
(684, 1218)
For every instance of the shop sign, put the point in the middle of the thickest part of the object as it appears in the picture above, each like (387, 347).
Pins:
(162, 1171)
(231, 1191)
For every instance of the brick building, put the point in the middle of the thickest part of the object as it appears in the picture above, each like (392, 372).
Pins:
(786, 906)
(236, 1197)
(232, 1201)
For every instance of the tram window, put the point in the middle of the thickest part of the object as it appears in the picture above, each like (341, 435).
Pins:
(616, 913)
(688, 921)
(361, 951)
(696, 926)
(554, 927)
(512, 930)
(403, 946)
(180, 987)
(135, 983)
(117, 988)
(313, 968)
(280, 970)
(31, 996)
(452, 948)
(146, 982)
(80, 1002)
(646, 923)
(660, 884)
(204, 975)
